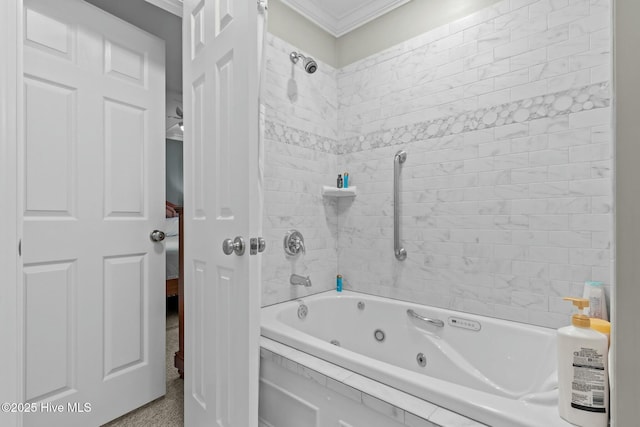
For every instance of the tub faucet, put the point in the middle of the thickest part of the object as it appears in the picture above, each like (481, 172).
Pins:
(296, 279)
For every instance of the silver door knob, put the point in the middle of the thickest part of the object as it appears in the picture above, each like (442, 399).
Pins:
(157, 236)
(236, 245)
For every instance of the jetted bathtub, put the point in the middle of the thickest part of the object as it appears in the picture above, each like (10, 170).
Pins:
(497, 372)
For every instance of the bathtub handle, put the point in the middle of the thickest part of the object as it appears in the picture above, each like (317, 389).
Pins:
(435, 322)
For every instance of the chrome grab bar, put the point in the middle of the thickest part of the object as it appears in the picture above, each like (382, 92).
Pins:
(435, 322)
(400, 157)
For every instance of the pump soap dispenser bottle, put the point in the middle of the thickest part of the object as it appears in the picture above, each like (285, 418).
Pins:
(583, 386)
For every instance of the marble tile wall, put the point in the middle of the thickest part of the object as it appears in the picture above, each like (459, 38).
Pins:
(300, 157)
(507, 189)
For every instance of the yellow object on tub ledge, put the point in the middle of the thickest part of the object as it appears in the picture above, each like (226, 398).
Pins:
(602, 326)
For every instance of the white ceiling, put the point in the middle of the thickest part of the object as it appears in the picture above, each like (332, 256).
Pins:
(338, 17)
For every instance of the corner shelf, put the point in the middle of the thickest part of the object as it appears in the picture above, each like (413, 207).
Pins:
(338, 192)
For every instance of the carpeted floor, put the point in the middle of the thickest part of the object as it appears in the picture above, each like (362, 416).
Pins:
(166, 411)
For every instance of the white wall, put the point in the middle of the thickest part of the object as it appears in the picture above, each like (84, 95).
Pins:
(405, 22)
(287, 24)
(300, 139)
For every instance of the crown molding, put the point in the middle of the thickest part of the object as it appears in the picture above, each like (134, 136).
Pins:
(338, 21)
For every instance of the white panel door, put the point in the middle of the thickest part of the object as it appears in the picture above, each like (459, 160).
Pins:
(222, 292)
(93, 190)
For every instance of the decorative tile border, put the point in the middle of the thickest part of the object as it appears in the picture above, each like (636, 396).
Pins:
(551, 105)
(542, 106)
(289, 135)
(414, 412)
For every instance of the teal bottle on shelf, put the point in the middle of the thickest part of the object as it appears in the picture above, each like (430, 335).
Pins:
(339, 283)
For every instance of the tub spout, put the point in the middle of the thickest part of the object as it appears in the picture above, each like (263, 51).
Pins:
(296, 279)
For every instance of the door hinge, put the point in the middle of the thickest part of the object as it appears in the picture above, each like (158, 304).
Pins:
(20, 247)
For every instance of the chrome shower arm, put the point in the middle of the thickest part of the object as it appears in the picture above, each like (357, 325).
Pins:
(295, 57)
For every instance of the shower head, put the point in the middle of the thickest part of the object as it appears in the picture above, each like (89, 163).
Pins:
(309, 64)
